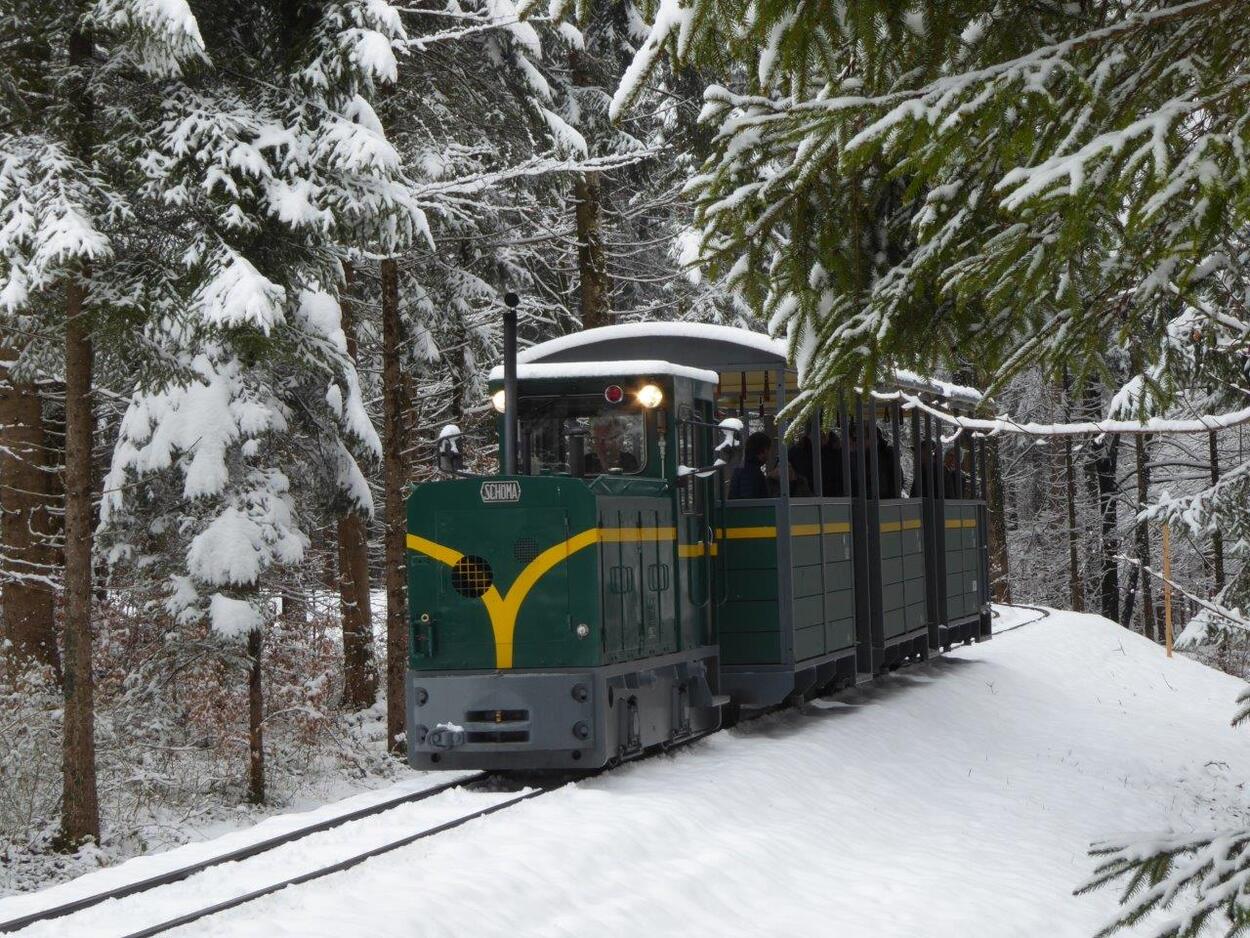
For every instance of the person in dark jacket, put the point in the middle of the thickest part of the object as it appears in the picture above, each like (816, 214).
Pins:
(887, 468)
(748, 480)
(802, 467)
(855, 433)
(924, 480)
(831, 476)
(953, 476)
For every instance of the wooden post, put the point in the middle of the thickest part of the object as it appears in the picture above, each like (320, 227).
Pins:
(1167, 588)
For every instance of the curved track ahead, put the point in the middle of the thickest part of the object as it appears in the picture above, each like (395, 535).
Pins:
(1020, 625)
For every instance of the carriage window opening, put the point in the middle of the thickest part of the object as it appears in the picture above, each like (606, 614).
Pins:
(582, 436)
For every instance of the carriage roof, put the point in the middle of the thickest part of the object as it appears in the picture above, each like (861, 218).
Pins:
(537, 371)
(703, 346)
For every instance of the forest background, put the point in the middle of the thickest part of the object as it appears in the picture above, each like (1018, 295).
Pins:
(252, 257)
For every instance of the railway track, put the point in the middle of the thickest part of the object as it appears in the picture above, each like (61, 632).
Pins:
(235, 901)
(480, 781)
(1020, 625)
(243, 854)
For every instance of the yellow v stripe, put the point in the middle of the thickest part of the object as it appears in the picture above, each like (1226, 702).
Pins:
(437, 551)
(502, 609)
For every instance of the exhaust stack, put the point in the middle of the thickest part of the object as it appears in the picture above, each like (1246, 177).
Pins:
(511, 301)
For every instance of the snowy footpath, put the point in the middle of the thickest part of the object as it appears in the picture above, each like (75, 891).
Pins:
(958, 798)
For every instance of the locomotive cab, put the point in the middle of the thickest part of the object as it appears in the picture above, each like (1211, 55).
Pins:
(554, 623)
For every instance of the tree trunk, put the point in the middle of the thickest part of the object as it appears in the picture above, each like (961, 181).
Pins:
(592, 267)
(360, 677)
(1143, 538)
(26, 531)
(80, 811)
(295, 610)
(592, 262)
(80, 807)
(1000, 562)
(1109, 580)
(1076, 586)
(1217, 537)
(396, 520)
(1125, 615)
(255, 720)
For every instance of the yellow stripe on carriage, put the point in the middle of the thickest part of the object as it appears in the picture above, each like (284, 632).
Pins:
(891, 527)
(961, 522)
(828, 527)
(762, 531)
(697, 550)
(748, 533)
(632, 535)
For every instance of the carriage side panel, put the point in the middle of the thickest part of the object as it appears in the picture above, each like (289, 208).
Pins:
(965, 582)
(749, 623)
(807, 579)
(902, 567)
(839, 570)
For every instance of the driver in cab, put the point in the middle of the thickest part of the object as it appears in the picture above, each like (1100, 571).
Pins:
(607, 437)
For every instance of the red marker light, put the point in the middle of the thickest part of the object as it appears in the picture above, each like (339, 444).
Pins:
(613, 394)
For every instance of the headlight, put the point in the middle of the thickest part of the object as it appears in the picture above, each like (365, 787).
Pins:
(650, 396)
(499, 399)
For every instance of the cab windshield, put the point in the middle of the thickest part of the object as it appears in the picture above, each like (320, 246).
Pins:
(581, 436)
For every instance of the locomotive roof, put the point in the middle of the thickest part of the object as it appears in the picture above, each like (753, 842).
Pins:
(698, 346)
(603, 369)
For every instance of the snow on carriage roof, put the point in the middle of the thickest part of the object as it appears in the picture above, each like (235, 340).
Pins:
(743, 347)
(700, 345)
(595, 369)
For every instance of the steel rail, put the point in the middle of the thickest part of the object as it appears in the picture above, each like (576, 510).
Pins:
(242, 853)
(338, 867)
(1045, 613)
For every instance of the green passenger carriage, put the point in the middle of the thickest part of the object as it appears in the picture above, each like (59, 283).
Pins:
(607, 596)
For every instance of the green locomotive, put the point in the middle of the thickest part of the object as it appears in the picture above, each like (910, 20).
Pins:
(606, 596)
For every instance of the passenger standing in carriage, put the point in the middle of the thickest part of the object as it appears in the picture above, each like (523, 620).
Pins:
(748, 480)
(859, 436)
(857, 452)
(924, 480)
(802, 465)
(798, 484)
(887, 468)
(953, 476)
(833, 485)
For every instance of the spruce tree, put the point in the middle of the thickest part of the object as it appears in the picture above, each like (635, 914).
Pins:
(921, 183)
(265, 185)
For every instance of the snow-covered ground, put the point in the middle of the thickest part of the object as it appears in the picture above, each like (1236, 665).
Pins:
(958, 798)
(320, 848)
